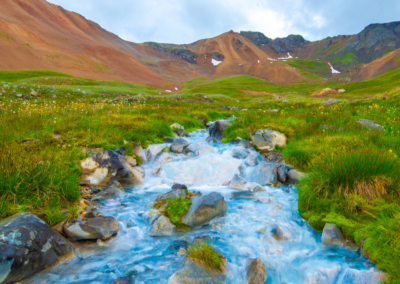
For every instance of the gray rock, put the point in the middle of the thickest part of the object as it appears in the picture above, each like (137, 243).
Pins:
(97, 228)
(240, 183)
(162, 227)
(108, 166)
(329, 102)
(264, 174)
(216, 130)
(274, 157)
(267, 139)
(168, 140)
(283, 170)
(256, 273)
(120, 151)
(27, 246)
(243, 194)
(370, 124)
(112, 190)
(295, 176)
(333, 235)
(177, 191)
(253, 159)
(240, 153)
(178, 145)
(196, 272)
(204, 209)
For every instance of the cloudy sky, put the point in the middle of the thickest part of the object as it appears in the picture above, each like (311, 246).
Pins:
(185, 21)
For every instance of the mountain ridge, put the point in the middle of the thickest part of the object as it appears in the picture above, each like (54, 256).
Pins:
(36, 34)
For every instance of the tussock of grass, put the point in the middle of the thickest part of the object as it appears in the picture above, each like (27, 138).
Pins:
(206, 254)
(176, 209)
(366, 174)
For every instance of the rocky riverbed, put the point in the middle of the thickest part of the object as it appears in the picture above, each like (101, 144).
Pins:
(245, 207)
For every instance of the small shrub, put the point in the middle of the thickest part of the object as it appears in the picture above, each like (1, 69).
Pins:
(206, 254)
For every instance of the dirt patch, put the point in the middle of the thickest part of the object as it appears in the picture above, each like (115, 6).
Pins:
(325, 92)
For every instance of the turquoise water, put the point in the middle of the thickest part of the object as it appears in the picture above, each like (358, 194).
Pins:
(242, 234)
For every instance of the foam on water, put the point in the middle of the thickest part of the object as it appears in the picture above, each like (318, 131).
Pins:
(245, 232)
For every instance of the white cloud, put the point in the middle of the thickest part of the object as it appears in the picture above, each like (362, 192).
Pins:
(185, 21)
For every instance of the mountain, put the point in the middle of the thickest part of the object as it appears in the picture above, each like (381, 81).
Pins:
(35, 34)
(373, 42)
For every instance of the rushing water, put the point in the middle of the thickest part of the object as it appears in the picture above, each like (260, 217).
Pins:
(300, 259)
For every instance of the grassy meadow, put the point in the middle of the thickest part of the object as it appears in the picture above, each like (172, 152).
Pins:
(353, 171)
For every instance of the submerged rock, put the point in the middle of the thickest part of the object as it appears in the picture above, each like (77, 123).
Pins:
(97, 228)
(267, 139)
(242, 184)
(255, 273)
(333, 235)
(280, 234)
(27, 246)
(253, 159)
(103, 168)
(204, 209)
(265, 174)
(243, 194)
(178, 145)
(162, 227)
(240, 153)
(197, 147)
(196, 272)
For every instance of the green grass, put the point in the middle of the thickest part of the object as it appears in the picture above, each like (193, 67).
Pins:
(347, 58)
(207, 255)
(176, 209)
(28, 74)
(42, 176)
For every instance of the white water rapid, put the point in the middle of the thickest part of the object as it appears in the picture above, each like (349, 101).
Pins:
(300, 259)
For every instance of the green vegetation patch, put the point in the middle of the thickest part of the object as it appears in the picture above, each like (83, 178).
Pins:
(207, 255)
(176, 209)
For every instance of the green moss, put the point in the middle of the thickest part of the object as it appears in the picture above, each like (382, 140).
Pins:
(206, 254)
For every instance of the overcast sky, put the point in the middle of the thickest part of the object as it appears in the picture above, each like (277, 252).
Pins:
(185, 21)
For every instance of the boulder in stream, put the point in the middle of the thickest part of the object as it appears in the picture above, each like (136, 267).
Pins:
(255, 273)
(267, 139)
(240, 183)
(295, 176)
(217, 129)
(27, 246)
(240, 153)
(264, 174)
(204, 209)
(162, 227)
(178, 145)
(196, 272)
(112, 190)
(333, 235)
(178, 190)
(102, 228)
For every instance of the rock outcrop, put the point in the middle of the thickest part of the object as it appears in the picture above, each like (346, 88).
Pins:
(267, 139)
(27, 246)
(112, 190)
(204, 209)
